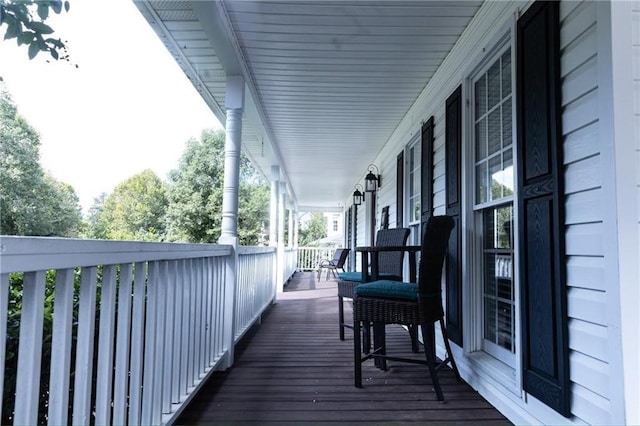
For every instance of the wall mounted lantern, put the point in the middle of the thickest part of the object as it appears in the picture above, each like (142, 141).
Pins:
(371, 180)
(358, 196)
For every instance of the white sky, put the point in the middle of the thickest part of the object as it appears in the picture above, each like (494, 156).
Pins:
(127, 108)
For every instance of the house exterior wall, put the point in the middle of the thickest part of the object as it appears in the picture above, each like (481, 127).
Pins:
(599, 254)
(630, 311)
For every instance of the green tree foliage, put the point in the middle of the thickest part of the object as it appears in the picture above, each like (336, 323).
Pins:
(312, 229)
(19, 18)
(195, 195)
(253, 210)
(135, 210)
(31, 201)
(96, 223)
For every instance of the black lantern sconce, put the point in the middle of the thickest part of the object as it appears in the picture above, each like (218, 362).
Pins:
(371, 180)
(358, 196)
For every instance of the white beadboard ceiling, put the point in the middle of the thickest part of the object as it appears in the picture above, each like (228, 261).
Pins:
(327, 81)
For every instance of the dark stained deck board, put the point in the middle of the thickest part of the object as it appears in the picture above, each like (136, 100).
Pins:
(293, 369)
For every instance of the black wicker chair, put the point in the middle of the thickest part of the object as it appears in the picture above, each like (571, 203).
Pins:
(389, 266)
(413, 304)
(339, 258)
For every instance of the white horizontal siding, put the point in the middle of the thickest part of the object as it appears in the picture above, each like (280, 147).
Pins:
(590, 373)
(585, 240)
(583, 175)
(587, 305)
(584, 206)
(589, 339)
(586, 272)
(581, 143)
(584, 214)
(593, 408)
(636, 95)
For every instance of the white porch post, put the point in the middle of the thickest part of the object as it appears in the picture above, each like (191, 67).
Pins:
(295, 229)
(290, 230)
(273, 208)
(235, 105)
(281, 257)
(229, 232)
(273, 220)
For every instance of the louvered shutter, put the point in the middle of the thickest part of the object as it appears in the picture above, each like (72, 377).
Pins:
(540, 208)
(453, 145)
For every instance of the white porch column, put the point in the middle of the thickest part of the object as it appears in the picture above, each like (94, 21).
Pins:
(273, 208)
(296, 229)
(229, 232)
(281, 256)
(235, 105)
(290, 230)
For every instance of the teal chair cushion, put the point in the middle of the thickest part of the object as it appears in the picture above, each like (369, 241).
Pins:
(357, 276)
(388, 289)
(350, 276)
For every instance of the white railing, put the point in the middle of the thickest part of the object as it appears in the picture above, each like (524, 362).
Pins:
(290, 263)
(145, 322)
(255, 285)
(309, 257)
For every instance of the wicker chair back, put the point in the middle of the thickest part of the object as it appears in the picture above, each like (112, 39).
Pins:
(435, 241)
(390, 263)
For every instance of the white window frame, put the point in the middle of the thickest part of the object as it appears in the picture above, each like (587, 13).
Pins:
(414, 225)
(510, 377)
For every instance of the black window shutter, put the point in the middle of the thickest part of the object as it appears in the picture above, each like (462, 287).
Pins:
(426, 171)
(400, 190)
(540, 208)
(453, 145)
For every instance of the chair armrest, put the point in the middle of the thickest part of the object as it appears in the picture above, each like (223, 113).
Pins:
(410, 249)
(374, 250)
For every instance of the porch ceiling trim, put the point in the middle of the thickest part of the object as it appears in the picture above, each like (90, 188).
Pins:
(328, 82)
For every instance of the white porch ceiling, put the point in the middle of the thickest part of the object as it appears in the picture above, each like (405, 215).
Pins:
(327, 81)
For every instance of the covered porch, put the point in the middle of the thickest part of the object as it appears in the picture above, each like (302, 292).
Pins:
(293, 368)
(155, 333)
(513, 117)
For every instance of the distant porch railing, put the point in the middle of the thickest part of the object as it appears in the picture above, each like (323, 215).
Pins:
(310, 257)
(143, 324)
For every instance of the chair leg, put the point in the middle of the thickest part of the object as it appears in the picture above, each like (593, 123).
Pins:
(428, 334)
(366, 337)
(380, 345)
(415, 344)
(341, 316)
(357, 361)
(445, 337)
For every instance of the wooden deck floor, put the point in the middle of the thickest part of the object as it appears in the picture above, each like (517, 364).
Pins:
(294, 369)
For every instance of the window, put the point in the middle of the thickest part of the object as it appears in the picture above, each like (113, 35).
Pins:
(414, 183)
(494, 186)
(414, 212)
(335, 225)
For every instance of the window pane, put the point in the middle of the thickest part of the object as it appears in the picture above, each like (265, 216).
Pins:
(490, 323)
(481, 97)
(507, 175)
(490, 288)
(494, 83)
(503, 278)
(506, 74)
(505, 325)
(494, 141)
(495, 174)
(416, 209)
(504, 227)
(498, 291)
(481, 183)
(481, 140)
(498, 224)
(506, 123)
